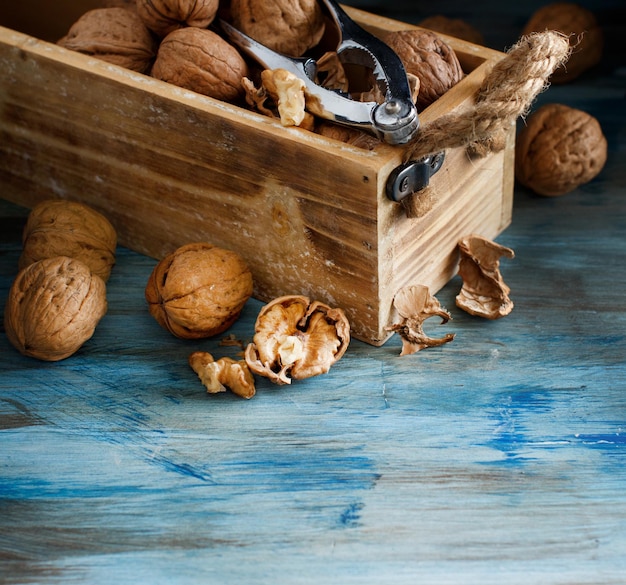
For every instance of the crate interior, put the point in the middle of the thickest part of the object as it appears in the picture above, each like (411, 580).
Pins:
(50, 21)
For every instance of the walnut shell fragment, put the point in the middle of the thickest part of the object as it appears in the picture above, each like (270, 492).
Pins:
(296, 339)
(431, 59)
(222, 374)
(68, 228)
(198, 290)
(53, 308)
(415, 304)
(484, 293)
(559, 149)
(116, 35)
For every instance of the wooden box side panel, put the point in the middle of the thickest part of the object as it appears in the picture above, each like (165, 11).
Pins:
(168, 167)
(472, 196)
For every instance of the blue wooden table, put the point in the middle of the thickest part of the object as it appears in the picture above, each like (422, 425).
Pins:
(499, 458)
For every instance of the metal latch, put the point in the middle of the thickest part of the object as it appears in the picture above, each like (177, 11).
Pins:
(413, 176)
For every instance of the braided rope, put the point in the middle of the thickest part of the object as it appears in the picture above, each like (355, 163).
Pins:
(506, 93)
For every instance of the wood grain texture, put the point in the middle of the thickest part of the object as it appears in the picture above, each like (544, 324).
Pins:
(167, 167)
(497, 458)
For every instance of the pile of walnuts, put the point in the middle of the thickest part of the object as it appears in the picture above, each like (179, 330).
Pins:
(174, 41)
(59, 295)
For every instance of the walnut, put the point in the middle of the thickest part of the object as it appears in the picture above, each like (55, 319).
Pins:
(415, 304)
(287, 26)
(53, 308)
(570, 19)
(559, 149)
(224, 373)
(165, 16)
(68, 228)
(454, 27)
(116, 35)
(428, 57)
(296, 339)
(198, 290)
(201, 61)
(484, 293)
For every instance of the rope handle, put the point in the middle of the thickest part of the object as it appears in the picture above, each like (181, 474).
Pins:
(505, 94)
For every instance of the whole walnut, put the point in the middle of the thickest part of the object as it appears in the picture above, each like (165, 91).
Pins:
(287, 26)
(559, 149)
(116, 35)
(53, 308)
(164, 16)
(578, 22)
(427, 56)
(201, 61)
(198, 290)
(67, 228)
(454, 27)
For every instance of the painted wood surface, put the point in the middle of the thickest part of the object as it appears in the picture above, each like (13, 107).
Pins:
(497, 458)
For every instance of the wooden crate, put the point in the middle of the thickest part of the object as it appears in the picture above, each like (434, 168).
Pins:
(168, 167)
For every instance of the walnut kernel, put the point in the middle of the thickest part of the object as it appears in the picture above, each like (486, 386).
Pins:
(53, 308)
(198, 290)
(296, 339)
(224, 373)
(68, 228)
(559, 149)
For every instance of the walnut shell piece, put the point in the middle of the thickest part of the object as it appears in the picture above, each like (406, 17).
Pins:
(559, 149)
(484, 292)
(199, 290)
(201, 61)
(222, 374)
(432, 60)
(287, 26)
(296, 339)
(53, 308)
(414, 305)
(57, 227)
(116, 35)
(164, 16)
(573, 20)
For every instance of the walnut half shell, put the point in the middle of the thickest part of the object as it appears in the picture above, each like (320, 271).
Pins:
(484, 292)
(296, 339)
(414, 305)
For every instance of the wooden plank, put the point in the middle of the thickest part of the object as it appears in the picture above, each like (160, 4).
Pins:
(168, 166)
(496, 459)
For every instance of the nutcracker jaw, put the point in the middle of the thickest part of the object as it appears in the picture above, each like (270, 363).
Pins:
(395, 120)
